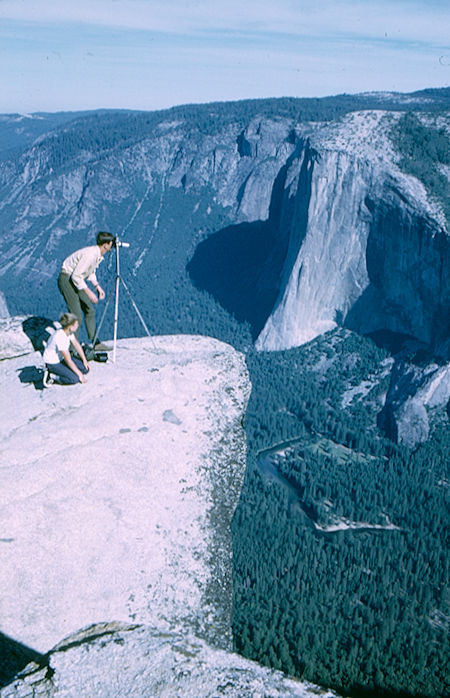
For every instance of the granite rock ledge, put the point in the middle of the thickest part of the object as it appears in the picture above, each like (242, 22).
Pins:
(115, 542)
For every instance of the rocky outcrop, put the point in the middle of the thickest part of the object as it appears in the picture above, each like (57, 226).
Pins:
(325, 269)
(13, 340)
(126, 485)
(115, 542)
(112, 660)
(415, 392)
(367, 250)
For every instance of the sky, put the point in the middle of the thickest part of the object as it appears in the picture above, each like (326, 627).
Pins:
(69, 55)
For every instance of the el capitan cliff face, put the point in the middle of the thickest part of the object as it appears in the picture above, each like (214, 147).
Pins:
(368, 250)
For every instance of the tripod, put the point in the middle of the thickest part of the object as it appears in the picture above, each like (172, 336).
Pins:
(115, 289)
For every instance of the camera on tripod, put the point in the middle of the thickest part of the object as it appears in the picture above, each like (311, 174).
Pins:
(115, 289)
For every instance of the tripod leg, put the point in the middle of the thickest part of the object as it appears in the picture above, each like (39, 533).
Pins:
(136, 309)
(99, 327)
(115, 288)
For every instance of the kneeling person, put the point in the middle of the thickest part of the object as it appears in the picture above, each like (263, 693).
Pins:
(57, 355)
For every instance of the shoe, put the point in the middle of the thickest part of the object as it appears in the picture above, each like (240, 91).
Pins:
(48, 380)
(99, 346)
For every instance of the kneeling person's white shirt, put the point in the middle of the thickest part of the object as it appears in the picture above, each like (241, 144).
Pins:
(58, 342)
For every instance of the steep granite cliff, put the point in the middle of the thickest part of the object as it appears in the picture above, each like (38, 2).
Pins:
(369, 250)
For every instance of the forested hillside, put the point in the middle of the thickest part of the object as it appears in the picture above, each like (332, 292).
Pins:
(426, 155)
(341, 538)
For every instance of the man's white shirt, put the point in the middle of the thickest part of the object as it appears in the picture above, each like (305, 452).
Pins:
(82, 265)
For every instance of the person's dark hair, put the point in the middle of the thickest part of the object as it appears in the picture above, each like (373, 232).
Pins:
(103, 237)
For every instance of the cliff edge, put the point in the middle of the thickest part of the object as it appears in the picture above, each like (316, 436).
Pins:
(115, 544)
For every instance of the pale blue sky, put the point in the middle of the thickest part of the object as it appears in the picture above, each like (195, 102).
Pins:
(60, 55)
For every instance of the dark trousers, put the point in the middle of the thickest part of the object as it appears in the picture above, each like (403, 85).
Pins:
(66, 375)
(78, 303)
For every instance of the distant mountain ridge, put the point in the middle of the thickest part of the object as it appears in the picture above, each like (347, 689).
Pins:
(20, 130)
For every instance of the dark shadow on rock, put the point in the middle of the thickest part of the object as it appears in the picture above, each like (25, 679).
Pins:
(408, 265)
(36, 329)
(14, 657)
(229, 265)
(32, 374)
(404, 347)
(393, 342)
(241, 265)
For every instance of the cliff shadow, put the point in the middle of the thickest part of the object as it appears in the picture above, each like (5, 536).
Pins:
(408, 267)
(241, 265)
(14, 657)
(232, 265)
(406, 348)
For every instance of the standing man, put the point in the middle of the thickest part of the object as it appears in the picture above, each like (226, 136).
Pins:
(78, 268)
